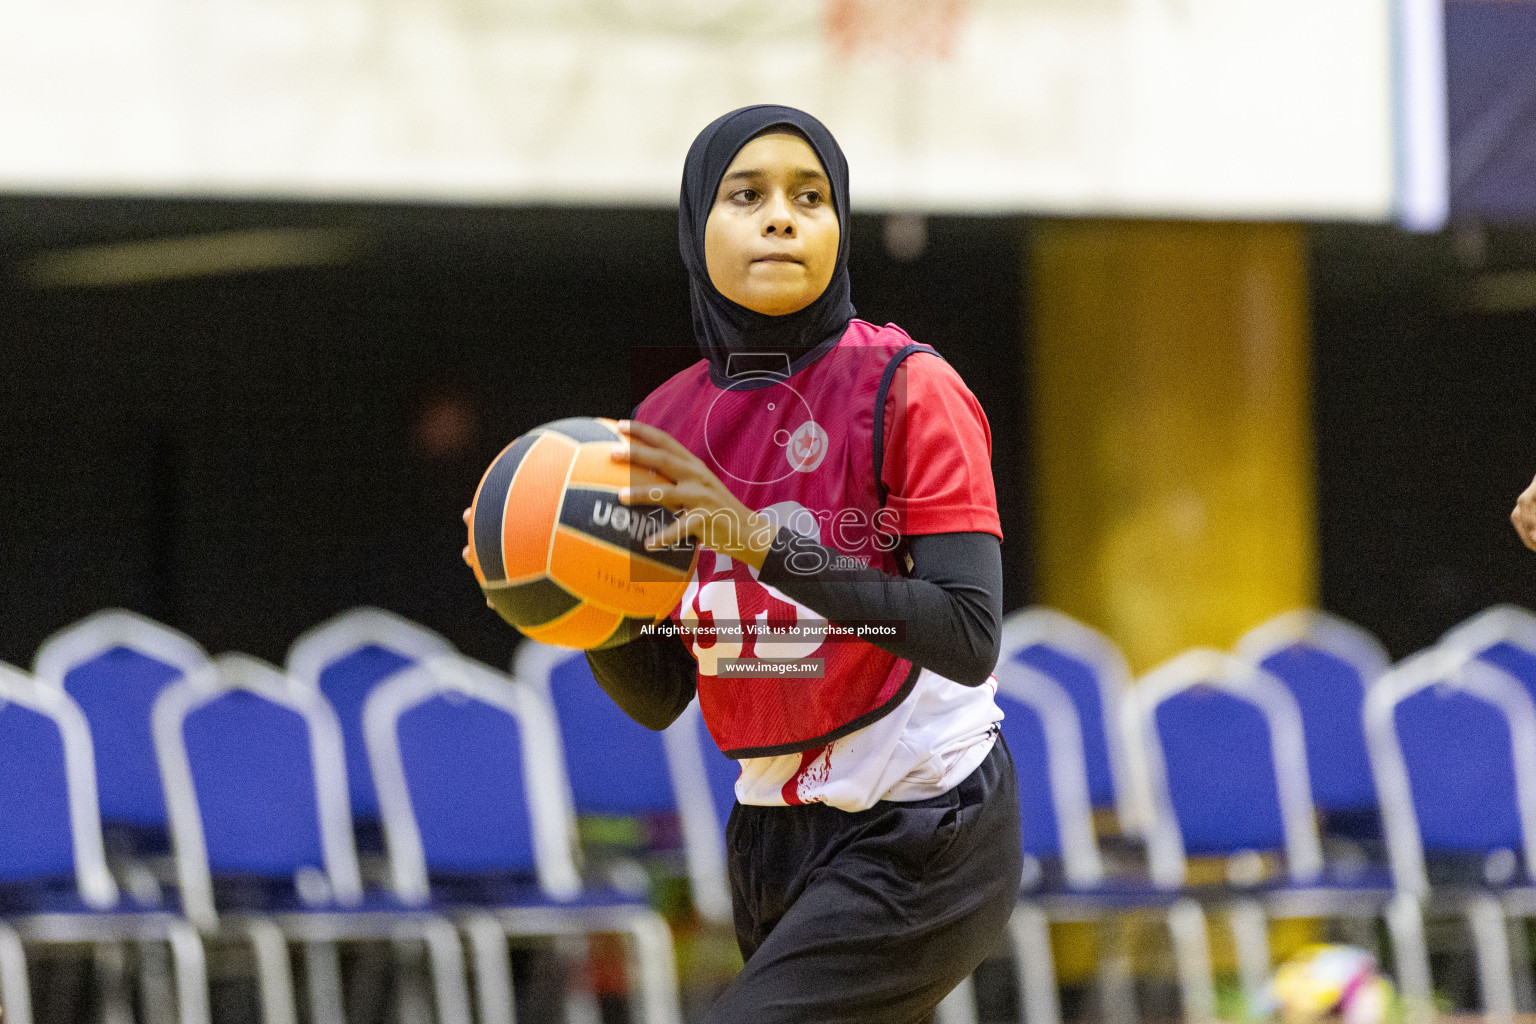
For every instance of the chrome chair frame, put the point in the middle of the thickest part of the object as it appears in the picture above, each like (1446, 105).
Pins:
(335, 638)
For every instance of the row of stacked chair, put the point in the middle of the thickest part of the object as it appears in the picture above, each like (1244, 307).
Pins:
(1288, 763)
(260, 785)
(1319, 780)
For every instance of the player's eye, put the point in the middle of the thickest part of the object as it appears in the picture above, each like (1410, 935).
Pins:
(745, 195)
(811, 197)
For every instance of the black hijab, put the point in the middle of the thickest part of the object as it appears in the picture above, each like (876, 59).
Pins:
(721, 326)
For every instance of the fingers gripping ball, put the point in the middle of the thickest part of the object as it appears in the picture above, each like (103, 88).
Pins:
(556, 553)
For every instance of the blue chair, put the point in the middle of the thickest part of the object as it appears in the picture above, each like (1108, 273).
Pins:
(54, 882)
(1093, 673)
(1504, 636)
(1453, 745)
(618, 767)
(345, 657)
(478, 821)
(615, 765)
(255, 786)
(1226, 763)
(1045, 737)
(114, 664)
(1328, 664)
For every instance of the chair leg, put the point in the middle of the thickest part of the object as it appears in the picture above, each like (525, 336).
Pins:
(1520, 955)
(274, 973)
(1490, 940)
(493, 972)
(446, 955)
(322, 968)
(1250, 936)
(1116, 981)
(1410, 956)
(111, 969)
(1030, 933)
(412, 1004)
(1192, 949)
(15, 991)
(648, 949)
(191, 967)
(580, 1003)
(157, 995)
(110, 966)
(654, 970)
(959, 1007)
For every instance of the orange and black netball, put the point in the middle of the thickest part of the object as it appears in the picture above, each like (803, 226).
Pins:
(557, 554)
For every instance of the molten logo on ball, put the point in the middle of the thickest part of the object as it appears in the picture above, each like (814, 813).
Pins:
(636, 523)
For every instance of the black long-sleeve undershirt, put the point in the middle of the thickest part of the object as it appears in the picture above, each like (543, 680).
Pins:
(951, 605)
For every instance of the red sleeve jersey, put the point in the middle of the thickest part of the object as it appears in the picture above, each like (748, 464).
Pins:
(938, 452)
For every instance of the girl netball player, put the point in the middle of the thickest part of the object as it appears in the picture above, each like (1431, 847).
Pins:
(833, 471)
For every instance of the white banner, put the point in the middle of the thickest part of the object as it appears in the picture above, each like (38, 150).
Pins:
(1211, 108)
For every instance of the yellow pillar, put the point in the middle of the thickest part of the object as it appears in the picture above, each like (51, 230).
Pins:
(1173, 473)
(1173, 465)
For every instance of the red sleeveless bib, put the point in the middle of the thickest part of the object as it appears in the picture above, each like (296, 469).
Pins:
(807, 449)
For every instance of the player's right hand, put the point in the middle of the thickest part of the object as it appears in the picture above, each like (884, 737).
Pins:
(1524, 516)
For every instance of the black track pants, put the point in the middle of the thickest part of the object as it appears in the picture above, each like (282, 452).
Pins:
(872, 916)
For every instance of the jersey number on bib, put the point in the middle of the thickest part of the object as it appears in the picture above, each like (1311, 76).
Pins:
(720, 601)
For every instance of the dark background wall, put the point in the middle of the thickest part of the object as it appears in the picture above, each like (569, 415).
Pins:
(1425, 421)
(243, 456)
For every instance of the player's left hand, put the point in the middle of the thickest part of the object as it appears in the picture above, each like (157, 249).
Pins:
(706, 510)
(1524, 516)
(469, 555)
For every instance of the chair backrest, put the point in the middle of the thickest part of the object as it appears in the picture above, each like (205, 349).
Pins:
(1093, 673)
(1041, 728)
(114, 664)
(705, 783)
(346, 657)
(1227, 764)
(615, 765)
(254, 779)
(1453, 745)
(469, 778)
(1503, 635)
(1328, 664)
(49, 826)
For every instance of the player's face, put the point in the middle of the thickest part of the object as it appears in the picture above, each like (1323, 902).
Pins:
(770, 243)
